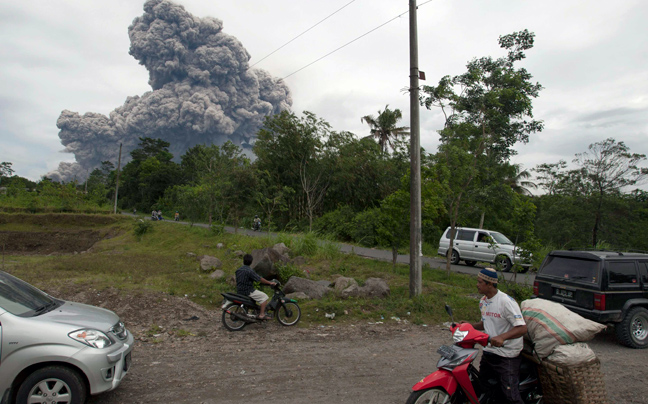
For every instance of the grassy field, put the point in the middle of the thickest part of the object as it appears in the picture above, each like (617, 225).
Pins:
(145, 255)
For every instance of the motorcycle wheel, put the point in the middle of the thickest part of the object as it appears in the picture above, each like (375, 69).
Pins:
(429, 396)
(230, 321)
(289, 313)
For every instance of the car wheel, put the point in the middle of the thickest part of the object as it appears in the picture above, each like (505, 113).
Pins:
(454, 259)
(504, 263)
(470, 263)
(52, 384)
(632, 331)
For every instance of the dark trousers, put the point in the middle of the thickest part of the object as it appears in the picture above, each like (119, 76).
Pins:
(507, 373)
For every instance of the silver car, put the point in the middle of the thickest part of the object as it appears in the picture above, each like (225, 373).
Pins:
(54, 351)
(481, 245)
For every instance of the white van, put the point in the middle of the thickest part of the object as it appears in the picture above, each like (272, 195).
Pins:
(480, 245)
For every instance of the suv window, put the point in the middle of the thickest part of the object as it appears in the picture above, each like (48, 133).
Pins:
(622, 272)
(580, 270)
(643, 272)
(466, 235)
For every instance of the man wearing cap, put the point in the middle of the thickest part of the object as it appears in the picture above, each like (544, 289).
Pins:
(501, 319)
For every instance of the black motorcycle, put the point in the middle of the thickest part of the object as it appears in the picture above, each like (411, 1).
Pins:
(239, 310)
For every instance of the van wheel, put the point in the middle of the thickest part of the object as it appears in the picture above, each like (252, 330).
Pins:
(632, 331)
(504, 263)
(470, 263)
(454, 259)
(54, 383)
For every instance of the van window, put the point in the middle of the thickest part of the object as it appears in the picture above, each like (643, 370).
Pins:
(483, 238)
(579, 270)
(466, 235)
(622, 272)
(501, 239)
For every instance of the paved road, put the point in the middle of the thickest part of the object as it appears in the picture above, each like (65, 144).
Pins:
(386, 255)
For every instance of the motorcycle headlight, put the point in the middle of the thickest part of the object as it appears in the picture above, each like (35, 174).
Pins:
(92, 338)
(459, 335)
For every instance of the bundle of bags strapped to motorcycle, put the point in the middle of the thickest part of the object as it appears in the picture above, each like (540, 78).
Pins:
(558, 334)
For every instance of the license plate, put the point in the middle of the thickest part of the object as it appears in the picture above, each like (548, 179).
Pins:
(569, 294)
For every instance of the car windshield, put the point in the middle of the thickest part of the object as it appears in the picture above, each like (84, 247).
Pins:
(578, 270)
(500, 238)
(22, 299)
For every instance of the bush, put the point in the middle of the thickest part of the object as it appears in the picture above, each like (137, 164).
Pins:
(285, 271)
(304, 245)
(338, 223)
(217, 229)
(365, 224)
(142, 227)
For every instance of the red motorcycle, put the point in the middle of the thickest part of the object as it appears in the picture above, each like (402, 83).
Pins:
(457, 381)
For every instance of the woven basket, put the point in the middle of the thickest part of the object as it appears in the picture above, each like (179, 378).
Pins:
(580, 384)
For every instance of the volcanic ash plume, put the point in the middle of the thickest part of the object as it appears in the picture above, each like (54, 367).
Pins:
(203, 93)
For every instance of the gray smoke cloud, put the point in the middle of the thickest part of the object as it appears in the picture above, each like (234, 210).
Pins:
(203, 93)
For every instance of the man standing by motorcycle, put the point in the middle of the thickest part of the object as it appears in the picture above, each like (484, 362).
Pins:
(245, 278)
(501, 319)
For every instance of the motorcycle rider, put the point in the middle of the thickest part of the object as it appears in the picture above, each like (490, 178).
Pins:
(257, 222)
(245, 278)
(501, 319)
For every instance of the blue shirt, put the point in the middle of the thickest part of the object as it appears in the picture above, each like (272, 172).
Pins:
(245, 278)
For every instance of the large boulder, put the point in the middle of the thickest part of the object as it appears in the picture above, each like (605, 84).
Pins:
(281, 248)
(264, 261)
(217, 274)
(375, 287)
(311, 288)
(343, 283)
(209, 263)
(351, 291)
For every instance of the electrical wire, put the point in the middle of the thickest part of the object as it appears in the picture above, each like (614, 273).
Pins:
(274, 51)
(352, 41)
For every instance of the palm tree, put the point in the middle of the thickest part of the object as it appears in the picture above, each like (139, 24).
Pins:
(384, 129)
(517, 180)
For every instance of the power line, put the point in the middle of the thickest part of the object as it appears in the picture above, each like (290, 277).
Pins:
(274, 51)
(352, 41)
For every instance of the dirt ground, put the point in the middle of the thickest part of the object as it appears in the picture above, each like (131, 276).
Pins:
(336, 363)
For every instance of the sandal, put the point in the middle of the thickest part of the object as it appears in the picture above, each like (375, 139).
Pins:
(265, 317)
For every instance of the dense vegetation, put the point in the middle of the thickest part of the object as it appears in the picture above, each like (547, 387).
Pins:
(306, 177)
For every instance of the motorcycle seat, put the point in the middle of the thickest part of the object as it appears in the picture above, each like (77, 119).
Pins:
(239, 299)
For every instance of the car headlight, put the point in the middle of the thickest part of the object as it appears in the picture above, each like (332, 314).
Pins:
(92, 338)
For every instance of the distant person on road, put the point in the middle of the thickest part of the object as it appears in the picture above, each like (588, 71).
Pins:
(245, 278)
(177, 216)
(159, 214)
(154, 215)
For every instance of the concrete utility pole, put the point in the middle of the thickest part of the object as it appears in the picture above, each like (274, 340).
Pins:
(416, 280)
(117, 186)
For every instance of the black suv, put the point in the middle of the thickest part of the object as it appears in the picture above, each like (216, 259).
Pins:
(604, 286)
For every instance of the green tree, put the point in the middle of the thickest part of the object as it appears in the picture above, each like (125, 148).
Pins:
(286, 146)
(147, 176)
(5, 170)
(605, 170)
(487, 111)
(221, 179)
(383, 127)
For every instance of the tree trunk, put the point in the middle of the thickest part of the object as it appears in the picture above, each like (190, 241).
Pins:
(481, 221)
(394, 257)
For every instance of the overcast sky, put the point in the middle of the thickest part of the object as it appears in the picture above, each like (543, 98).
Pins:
(591, 57)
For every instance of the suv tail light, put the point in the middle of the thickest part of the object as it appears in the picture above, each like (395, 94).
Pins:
(535, 288)
(599, 301)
